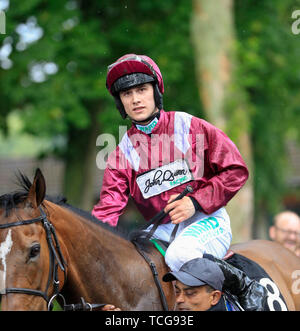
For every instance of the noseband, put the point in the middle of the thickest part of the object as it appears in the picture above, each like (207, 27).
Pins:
(56, 260)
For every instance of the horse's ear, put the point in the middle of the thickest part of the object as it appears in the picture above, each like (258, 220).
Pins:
(37, 190)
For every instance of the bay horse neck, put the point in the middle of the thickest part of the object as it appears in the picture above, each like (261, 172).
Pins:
(93, 251)
(82, 227)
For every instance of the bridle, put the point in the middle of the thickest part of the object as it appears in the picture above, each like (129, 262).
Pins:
(56, 261)
(55, 257)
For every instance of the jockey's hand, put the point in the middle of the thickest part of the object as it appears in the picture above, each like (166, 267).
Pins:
(110, 308)
(180, 210)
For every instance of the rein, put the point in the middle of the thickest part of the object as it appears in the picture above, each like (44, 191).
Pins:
(156, 221)
(56, 261)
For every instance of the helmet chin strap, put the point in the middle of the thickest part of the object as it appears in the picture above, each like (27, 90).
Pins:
(147, 120)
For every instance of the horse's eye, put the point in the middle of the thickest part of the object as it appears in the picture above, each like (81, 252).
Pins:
(34, 251)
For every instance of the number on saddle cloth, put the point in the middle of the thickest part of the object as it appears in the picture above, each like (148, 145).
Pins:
(275, 301)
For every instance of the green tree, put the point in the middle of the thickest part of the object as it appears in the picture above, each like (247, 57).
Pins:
(269, 72)
(248, 77)
(79, 39)
(224, 100)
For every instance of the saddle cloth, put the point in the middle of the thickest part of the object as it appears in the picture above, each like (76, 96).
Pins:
(275, 301)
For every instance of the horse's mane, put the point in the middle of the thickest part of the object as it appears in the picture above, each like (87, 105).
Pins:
(10, 201)
(62, 201)
(137, 236)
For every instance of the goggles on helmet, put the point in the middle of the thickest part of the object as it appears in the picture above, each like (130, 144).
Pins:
(131, 80)
(132, 70)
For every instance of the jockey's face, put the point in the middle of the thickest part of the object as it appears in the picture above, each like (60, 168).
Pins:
(139, 102)
(196, 298)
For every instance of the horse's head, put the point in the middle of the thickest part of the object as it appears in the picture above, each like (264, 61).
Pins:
(24, 249)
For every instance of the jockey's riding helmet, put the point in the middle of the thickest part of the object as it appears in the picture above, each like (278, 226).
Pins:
(132, 70)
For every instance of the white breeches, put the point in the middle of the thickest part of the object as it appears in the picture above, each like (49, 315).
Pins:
(199, 234)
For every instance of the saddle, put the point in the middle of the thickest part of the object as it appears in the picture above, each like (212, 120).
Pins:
(253, 270)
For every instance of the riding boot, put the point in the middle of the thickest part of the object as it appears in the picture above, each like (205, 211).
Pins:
(251, 295)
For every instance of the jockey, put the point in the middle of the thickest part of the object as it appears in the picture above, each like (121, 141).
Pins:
(157, 158)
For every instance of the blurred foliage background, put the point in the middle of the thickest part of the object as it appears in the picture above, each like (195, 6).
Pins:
(234, 63)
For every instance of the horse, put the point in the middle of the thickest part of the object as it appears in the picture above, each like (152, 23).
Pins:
(81, 258)
(50, 249)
